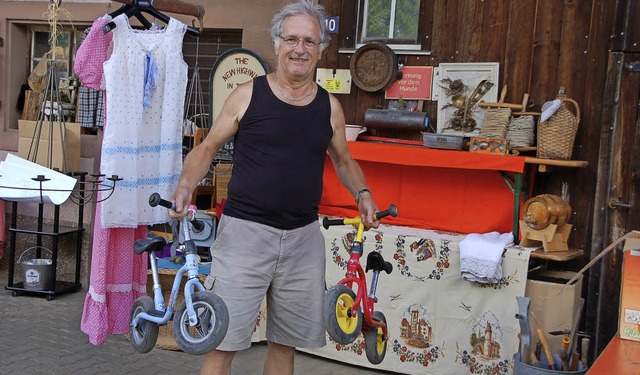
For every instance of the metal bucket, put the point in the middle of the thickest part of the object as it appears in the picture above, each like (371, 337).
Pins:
(520, 368)
(36, 273)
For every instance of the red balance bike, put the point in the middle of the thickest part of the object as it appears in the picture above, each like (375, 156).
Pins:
(348, 310)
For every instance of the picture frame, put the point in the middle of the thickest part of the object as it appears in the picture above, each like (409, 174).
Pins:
(456, 82)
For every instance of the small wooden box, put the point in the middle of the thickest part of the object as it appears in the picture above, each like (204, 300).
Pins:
(494, 146)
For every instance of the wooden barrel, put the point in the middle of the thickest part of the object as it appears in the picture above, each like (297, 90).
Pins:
(546, 209)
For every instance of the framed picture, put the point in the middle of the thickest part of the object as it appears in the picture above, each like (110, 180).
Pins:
(461, 86)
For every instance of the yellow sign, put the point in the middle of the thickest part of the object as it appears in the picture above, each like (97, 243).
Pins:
(333, 84)
(336, 81)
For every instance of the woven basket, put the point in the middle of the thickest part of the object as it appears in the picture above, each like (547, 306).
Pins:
(165, 332)
(521, 131)
(495, 123)
(557, 134)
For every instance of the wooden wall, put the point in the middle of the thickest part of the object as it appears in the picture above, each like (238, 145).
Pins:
(541, 45)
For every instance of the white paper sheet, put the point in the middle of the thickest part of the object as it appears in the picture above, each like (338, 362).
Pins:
(16, 182)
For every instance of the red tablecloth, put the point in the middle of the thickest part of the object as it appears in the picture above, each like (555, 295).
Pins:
(454, 191)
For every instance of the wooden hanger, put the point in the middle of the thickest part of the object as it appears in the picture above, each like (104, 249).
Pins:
(133, 8)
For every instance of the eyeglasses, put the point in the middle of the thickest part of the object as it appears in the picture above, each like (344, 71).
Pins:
(292, 41)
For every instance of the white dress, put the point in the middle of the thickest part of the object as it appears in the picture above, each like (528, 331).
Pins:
(143, 143)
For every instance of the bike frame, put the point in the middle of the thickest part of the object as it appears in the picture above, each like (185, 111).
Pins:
(355, 274)
(193, 282)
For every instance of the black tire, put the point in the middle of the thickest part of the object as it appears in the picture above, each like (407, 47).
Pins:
(342, 325)
(145, 335)
(375, 344)
(207, 334)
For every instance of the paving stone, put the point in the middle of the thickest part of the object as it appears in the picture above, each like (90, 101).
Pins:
(40, 337)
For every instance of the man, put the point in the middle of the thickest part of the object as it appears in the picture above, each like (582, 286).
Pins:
(269, 240)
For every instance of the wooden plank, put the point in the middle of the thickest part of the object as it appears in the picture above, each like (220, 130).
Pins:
(470, 29)
(349, 101)
(625, 138)
(558, 256)
(558, 163)
(626, 29)
(519, 48)
(593, 125)
(572, 61)
(425, 25)
(32, 105)
(493, 39)
(333, 8)
(600, 232)
(546, 51)
(595, 122)
(445, 30)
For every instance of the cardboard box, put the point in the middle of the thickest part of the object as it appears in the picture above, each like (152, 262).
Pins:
(629, 322)
(550, 308)
(27, 147)
(632, 243)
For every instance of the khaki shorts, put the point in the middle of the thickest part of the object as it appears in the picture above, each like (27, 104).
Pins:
(251, 261)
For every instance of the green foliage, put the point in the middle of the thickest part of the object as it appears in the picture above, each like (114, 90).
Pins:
(405, 21)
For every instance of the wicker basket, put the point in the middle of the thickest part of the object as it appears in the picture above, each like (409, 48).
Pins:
(557, 134)
(495, 123)
(165, 333)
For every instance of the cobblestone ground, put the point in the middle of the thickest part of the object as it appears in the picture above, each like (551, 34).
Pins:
(43, 337)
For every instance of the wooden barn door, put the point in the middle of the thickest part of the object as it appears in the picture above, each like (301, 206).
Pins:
(618, 191)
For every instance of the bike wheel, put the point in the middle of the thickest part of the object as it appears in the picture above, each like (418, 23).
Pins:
(145, 335)
(342, 324)
(375, 344)
(207, 334)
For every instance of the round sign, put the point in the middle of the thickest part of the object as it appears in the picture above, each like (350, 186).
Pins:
(232, 68)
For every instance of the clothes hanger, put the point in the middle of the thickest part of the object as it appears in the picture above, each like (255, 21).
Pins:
(129, 9)
(135, 8)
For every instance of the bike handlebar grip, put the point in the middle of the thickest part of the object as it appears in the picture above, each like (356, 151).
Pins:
(326, 222)
(155, 200)
(391, 211)
(198, 225)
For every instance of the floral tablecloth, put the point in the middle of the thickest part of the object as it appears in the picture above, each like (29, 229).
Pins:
(438, 322)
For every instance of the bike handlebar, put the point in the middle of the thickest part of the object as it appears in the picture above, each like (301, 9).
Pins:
(156, 200)
(391, 211)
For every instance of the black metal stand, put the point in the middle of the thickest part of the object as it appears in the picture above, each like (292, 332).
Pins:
(55, 231)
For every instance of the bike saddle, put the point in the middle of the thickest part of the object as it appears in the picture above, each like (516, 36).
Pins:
(376, 262)
(155, 243)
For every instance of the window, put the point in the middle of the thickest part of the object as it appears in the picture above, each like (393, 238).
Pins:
(394, 22)
(66, 46)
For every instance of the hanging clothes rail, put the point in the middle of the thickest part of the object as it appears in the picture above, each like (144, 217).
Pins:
(173, 6)
(155, 8)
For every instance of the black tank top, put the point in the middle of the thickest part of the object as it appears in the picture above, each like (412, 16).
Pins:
(278, 159)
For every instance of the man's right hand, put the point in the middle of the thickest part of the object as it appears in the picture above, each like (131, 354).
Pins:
(182, 198)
